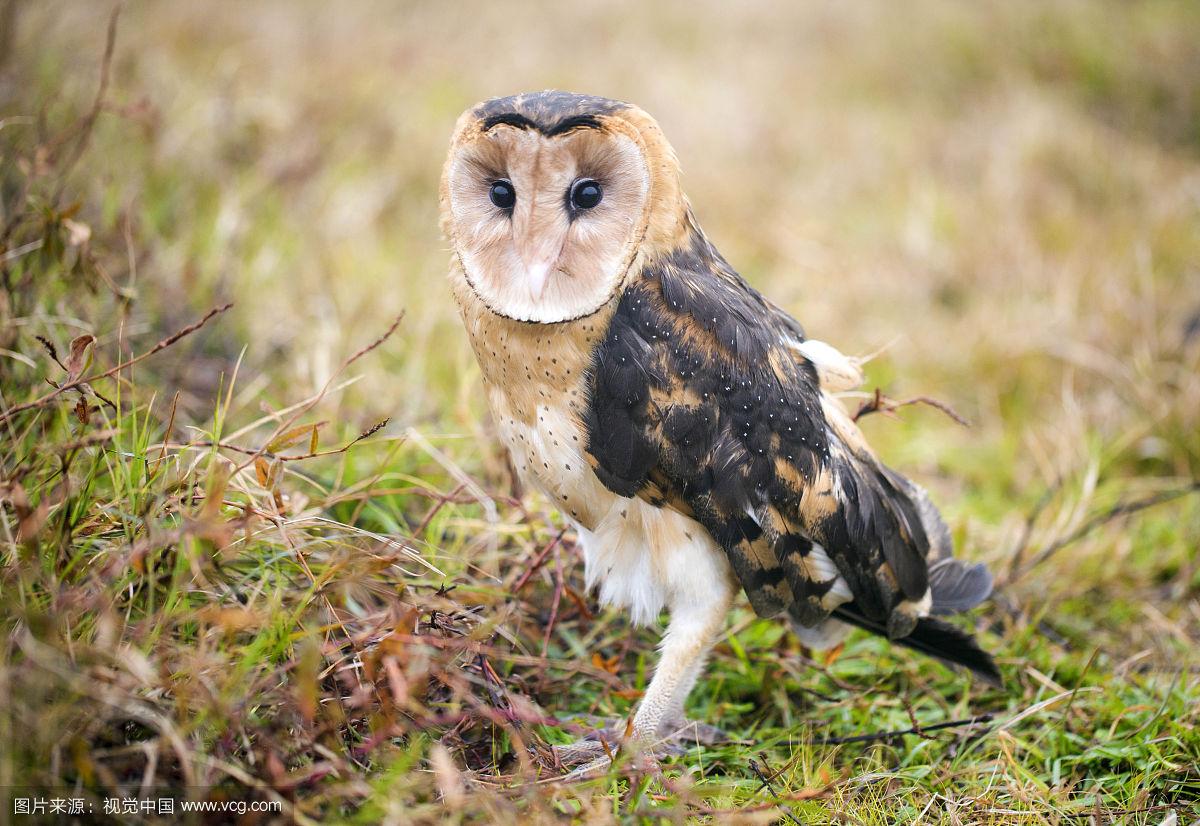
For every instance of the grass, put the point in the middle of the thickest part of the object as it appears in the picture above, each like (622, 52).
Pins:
(1004, 199)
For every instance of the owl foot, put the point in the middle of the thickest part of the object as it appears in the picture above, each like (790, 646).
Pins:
(645, 760)
(585, 751)
(694, 733)
(596, 750)
(602, 740)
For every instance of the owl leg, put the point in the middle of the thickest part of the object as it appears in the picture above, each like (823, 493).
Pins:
(659, 724)
(694, 628)
(675, 724)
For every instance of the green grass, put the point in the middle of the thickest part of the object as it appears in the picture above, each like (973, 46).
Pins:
(1002, 199)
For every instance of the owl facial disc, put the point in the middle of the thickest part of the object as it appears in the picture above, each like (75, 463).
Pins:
(545, 216)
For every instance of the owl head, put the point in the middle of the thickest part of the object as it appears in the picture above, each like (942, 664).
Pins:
(549, 199)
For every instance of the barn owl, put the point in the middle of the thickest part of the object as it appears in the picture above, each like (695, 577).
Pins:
(680, 421)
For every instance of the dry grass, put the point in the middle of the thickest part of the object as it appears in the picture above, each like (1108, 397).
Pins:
(1006, 199)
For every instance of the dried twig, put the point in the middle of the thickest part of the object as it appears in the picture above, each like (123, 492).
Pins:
(256, 452)
(366, 434)
(885, 736)
(162, 454)
(436, 508)
(555, 603)
(377, 342)
(300, 410)
(882, 404)
(112, 371)
(491, 514)
(537, 563)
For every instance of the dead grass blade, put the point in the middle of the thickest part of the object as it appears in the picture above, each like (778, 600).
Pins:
(112, 371)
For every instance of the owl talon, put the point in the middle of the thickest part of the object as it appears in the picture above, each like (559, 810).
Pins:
(694, 733)
(602, 740)
(597, 748)
(585, 751)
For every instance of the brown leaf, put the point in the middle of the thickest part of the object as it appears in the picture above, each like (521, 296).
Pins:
(81, 356)
(82, 411)
(829, 656)
(396, 682)
(612, 664)
(292, 436)
(216, 531)
(262, 470)
(30, 518)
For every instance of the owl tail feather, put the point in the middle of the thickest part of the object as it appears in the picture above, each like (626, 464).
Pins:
(937, 638)
(958, 586)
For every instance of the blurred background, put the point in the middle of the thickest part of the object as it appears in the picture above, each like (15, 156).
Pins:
(1002, 200)
(1005, 197)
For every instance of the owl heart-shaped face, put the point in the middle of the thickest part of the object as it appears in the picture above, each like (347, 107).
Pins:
(545, 199)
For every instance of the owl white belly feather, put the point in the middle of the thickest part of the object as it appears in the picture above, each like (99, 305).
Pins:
(641, 557)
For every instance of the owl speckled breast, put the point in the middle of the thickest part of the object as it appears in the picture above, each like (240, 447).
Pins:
(535, 378)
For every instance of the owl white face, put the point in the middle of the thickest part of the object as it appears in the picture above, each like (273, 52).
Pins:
(546, 226)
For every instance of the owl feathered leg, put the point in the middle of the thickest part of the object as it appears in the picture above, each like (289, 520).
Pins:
(696, 622)
(694, 627)
(675, 724)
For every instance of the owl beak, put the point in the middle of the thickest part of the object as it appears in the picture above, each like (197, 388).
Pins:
(539, 266)
(537, 275)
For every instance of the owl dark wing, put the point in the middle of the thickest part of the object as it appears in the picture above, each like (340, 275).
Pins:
(699, 401)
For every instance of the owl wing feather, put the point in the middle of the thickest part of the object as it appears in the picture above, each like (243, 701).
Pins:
(701, 401)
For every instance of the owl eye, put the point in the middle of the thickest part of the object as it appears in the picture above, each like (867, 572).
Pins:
(502, 194)
(585, 193)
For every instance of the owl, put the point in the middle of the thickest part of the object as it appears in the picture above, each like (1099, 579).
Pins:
(681, 422)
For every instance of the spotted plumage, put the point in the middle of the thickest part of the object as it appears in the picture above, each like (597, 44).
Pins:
(680, 420)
